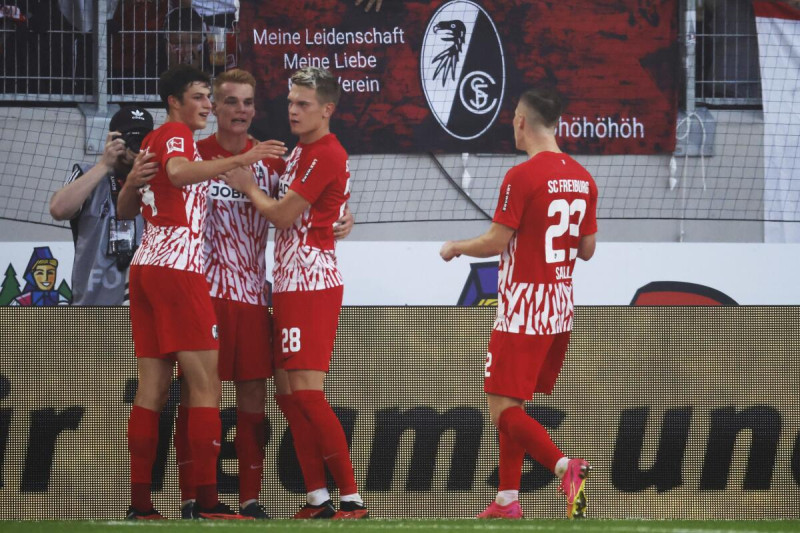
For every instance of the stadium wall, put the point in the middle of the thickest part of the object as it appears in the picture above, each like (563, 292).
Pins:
(684, 412)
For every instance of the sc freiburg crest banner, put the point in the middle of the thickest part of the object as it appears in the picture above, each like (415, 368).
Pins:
(445, 75)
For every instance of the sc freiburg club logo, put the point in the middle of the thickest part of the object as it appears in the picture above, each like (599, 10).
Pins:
(463, 69)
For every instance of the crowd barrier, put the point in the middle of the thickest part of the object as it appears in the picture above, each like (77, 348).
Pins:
(682, 412)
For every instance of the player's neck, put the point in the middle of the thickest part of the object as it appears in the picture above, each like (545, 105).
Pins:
(314, 136)
(536, 144)
(233, 143)
(176, 118)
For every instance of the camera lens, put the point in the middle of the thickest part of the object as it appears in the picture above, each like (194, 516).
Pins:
(133, 142)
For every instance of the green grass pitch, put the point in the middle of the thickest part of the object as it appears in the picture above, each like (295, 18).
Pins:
(408, 526)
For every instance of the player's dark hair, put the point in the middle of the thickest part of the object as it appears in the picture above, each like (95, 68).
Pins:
(326, 85)
(175, 80)
(546, 102)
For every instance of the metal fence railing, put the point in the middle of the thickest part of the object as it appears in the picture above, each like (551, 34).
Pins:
(726, 54)
(58, 51)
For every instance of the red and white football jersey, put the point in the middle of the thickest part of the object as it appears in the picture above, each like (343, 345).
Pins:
(305, 258)
(236, 233)
(550, 200)
(173, 235)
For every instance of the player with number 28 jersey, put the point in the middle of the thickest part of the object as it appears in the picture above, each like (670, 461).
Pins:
(305, 258)
(308, 289)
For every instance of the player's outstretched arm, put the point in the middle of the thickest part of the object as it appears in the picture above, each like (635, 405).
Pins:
(141, 173)
(491, 243)
(182, 172)
(282, 213)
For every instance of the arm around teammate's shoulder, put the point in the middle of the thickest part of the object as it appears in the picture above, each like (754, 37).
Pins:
(281, 213)
(182, 172)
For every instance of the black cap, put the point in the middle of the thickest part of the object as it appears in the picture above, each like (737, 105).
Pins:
(133, 122)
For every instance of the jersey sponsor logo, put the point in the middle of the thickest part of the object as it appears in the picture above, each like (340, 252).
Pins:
(214, 332)
(463, 69)
(175, 145)
(223, 192)
(508, 195)
(308, 172)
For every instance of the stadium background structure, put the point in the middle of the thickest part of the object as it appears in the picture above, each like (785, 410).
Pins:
(717, 194)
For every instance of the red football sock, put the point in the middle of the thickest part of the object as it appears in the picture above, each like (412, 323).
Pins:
(512, 456)
(531, 435)
(183, 455)
(142, 444)
(250, 451)
(329, 433)
(305, 443)
(205, 434)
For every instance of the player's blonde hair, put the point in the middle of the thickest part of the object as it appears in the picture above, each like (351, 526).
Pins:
(321, 80)
(235, 75)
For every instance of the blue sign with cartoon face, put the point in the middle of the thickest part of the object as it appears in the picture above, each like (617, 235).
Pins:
(40, 283)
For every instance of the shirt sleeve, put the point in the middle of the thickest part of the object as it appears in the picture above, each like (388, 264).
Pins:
(511, 203)
(589, 224)
(315, 174)
(178, 142)
(77, 172)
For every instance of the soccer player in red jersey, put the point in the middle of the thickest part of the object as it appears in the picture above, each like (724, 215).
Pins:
(171, 313)
(234, 258)
(312, 193)
(235, 242)
(545, 219)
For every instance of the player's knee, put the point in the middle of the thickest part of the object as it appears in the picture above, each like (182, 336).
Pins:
(151, 396)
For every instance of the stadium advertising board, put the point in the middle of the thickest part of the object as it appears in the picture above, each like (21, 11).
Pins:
(412, 273)
(444, 75)
(683, 413)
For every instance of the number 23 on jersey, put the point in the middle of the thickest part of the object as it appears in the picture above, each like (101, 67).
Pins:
(566, 211)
